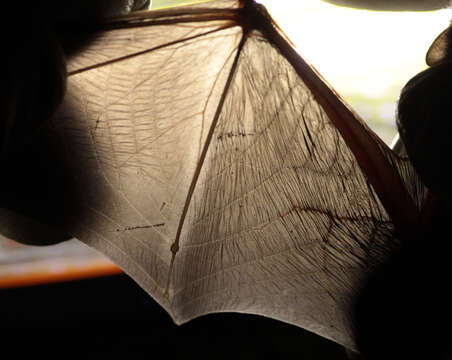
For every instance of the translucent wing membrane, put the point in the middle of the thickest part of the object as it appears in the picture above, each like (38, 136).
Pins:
(202, 134)
(138, 127)
(283, 222)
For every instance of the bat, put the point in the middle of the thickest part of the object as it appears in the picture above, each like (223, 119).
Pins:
(197, 149)
(410, 290)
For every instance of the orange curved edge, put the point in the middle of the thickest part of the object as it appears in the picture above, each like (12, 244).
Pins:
(30, 275)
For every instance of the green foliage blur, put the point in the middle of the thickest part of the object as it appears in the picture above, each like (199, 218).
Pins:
(379, 112)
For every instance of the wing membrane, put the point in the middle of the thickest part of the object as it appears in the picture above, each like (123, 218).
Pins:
(283, 219)
(137, 127)
(200, 133)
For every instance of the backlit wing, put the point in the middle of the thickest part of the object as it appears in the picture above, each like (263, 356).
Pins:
(207, 159)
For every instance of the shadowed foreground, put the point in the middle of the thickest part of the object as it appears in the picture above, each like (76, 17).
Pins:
(114, 314)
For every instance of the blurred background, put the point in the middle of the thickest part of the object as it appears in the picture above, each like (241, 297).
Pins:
(367, 57)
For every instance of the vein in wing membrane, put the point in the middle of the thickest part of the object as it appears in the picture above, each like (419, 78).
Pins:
(133, 130)
(283, 221)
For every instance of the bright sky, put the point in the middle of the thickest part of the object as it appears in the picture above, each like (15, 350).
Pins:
(357, 50)
(367, 56)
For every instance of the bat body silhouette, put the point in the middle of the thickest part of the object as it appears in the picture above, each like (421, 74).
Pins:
(406, 301)
(201, 153)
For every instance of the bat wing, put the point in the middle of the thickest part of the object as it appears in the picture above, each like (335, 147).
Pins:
(206, 164)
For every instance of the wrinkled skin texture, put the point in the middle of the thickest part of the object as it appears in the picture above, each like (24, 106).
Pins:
(403, 310)
(379, 293)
